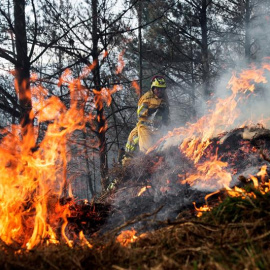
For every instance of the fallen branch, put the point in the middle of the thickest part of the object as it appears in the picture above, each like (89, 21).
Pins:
(133, 221)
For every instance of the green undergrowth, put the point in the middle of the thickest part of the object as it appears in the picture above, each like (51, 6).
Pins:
(242, 208)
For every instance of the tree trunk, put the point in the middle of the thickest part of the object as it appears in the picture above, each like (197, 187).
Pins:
(140, 45)
(205, 58)
(100, 110)
(22, 70)
(88, 171)
(247, 31)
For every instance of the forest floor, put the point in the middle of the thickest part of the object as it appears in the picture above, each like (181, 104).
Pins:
(233, 235)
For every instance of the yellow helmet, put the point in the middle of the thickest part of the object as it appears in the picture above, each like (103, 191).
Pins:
(158, 81)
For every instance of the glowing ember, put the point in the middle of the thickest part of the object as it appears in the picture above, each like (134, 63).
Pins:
(127, 237)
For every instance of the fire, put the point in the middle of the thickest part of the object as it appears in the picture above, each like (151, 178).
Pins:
(211, 173)
(84, 240)
(263, 173)
(243, 82)
(239, 192)
(32, 181)
(206, 207)
(136, 86)
(34, 177)
(143, 189)
(261, 186)
(196, 137)
(127, 237)
(201, 209)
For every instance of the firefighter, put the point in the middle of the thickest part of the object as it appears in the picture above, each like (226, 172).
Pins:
(152, 112)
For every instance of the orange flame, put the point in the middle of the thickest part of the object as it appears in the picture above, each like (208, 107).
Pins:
(243, 83)
(136, 86)
(105, 95)
(84, 240)
(105, 54)
(201, 209)
(34, 179)
(211, 173)
(196, 137)
(263, 173)
(239, 192)
(143, 189)
(31, 181)
(125, 238)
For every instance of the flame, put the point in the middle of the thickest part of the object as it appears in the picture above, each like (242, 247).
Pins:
(105, 54)
(243, 82)
(239, 192)
(263, 173)
(196, 137)
(84, 240)
(255, 181)
(143, 189)
(34, 177)
(201, 209)
(211, 173)
(262, 186)
(136, 86)
(33, 181)
(127, 237)
(105, 96)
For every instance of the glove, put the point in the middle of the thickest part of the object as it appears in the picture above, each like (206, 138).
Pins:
(162, 107)
(151, 111)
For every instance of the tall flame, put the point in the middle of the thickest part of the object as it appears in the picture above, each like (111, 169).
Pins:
(218, 120)
(33, 178)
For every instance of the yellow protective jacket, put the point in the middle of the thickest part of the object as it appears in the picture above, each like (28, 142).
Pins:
(153, 111)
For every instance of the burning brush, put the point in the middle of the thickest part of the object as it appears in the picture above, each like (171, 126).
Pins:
(34, 177)
(204, 159)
